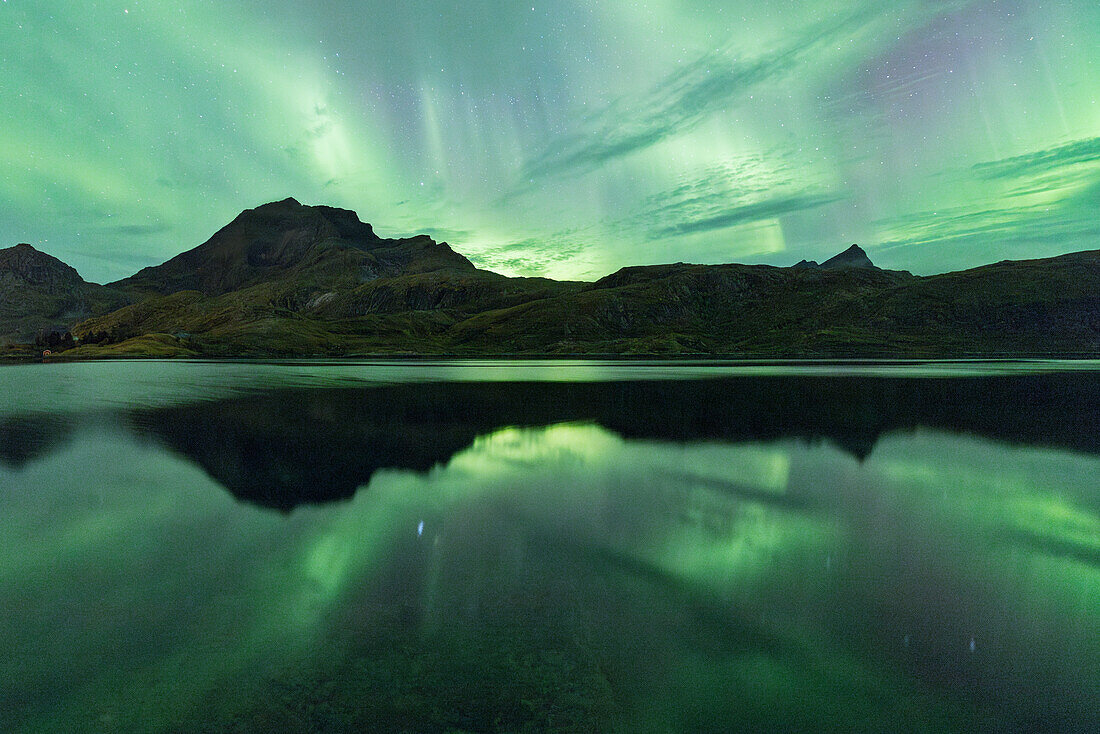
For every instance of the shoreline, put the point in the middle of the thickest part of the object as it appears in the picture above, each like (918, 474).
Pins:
(745, 359)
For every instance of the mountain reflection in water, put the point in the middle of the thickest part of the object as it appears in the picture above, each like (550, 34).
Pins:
(288, 447)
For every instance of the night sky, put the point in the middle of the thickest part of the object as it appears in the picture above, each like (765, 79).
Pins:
(560, 137)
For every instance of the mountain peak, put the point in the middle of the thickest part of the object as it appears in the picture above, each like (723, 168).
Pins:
(853, 257)
(273, 239)
(289, 205)
(289, 214)
(25, 264)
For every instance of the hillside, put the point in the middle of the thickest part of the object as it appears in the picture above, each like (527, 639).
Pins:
(291, 280)
(285, 278)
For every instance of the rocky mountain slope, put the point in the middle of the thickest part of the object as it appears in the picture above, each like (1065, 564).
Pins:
(39, 293)
(318, 245)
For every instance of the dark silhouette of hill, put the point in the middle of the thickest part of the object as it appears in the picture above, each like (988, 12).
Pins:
(287, 447)
(853, 257)
(24, 438)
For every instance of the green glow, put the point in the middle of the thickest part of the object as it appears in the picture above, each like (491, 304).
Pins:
(759, 535)
(1037, 505)
(568, 138)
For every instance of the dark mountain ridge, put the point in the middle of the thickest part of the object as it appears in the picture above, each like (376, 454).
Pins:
(288, 448)
(285, 279)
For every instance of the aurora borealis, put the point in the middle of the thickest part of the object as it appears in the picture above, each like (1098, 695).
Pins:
(565, 138)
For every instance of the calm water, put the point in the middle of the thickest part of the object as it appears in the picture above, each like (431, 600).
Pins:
(562, 546)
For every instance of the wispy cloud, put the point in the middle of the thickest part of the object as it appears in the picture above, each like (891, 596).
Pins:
(963, 236)
(753, 212)
(136, 230)
(531, 257)
(1079, 151)
(737, 191)
(681, 101)
(1041, 203)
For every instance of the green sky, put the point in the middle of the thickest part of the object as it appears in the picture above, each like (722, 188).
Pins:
(566, 138)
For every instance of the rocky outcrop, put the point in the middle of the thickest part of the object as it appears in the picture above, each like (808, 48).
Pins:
(23, 266)
(39, 293)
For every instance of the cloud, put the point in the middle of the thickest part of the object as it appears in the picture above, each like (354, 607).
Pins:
(680, 101)
(136, 230)
(737, 191)
(530, 257)
(765, 209)
(1042, 203)
(965, 236)
(1079, 151)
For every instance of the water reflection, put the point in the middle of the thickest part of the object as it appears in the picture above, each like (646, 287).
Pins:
(285, 447)
(751, 554)
(23, 438)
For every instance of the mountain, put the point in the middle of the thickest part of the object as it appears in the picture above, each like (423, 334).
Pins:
(319, 244)
(853, 257)
(40, 293)
(286, 279)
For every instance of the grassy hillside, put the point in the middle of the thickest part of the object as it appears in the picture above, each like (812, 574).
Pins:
(1031, 307)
